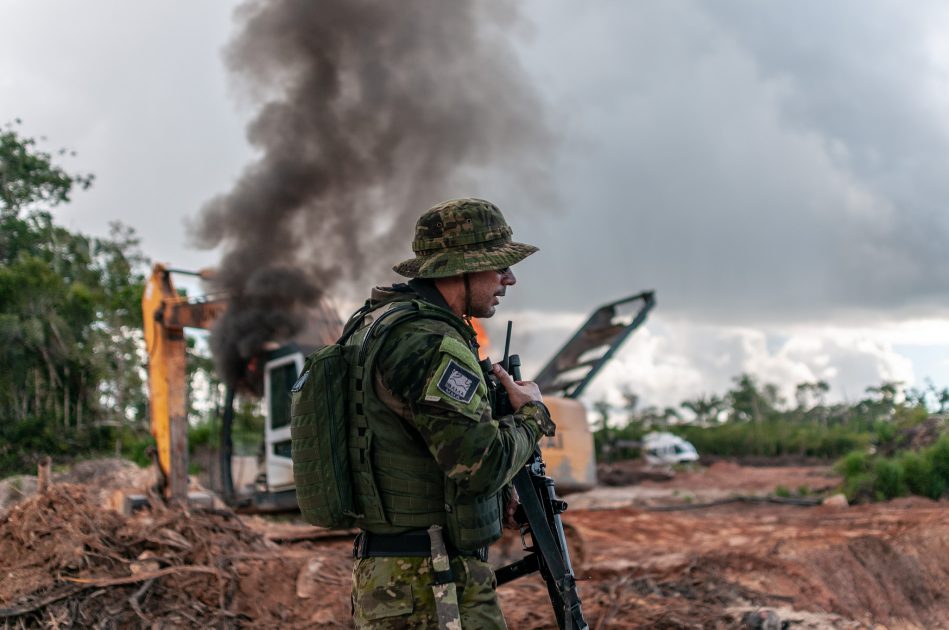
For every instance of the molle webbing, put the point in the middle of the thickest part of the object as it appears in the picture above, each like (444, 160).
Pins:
(476, 521)
(368, 499)
(401, 487)
(397, 484)
(414, 498)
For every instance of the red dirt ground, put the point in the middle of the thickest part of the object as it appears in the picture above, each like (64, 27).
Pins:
(65, 561)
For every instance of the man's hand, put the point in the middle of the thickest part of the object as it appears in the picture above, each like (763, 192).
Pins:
(519, 392)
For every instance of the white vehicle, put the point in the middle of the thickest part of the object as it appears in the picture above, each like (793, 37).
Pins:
(666, 448)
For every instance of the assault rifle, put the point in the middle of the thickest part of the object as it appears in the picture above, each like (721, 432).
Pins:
(539, 518)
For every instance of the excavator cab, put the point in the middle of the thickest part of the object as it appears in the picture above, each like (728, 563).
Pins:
(280, 372)
(274, 490)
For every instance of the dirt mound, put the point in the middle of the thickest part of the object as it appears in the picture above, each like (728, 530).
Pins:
(102, 477)
(823, 567)
(917, 437)
(74, 560)
(630, 472)
(65, 559)
(879, 578)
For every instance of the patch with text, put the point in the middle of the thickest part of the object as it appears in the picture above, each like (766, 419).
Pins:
(300, 381)
(458, 383)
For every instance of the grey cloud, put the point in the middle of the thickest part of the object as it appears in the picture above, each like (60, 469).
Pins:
(752, 162)
(862, 76)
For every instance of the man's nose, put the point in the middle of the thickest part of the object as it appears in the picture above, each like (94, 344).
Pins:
(508, 277)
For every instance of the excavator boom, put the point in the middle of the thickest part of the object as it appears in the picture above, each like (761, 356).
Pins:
(166, 314)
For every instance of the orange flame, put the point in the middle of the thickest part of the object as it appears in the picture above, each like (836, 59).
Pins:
(484, 342)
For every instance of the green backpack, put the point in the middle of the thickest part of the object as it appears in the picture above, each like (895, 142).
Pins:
(320, 413)
(318, 438)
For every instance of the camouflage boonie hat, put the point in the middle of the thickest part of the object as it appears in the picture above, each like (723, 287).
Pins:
(462, 236)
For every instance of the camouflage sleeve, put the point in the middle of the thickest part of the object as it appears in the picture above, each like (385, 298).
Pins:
(435, 372)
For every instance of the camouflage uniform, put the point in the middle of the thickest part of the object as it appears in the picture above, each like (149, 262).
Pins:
(477, 454)
(390, 593)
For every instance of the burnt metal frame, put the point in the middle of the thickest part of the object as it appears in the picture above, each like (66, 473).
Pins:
(601, 329)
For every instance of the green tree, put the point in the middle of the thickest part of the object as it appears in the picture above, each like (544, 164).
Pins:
(70, 318)
(930, 397)
(28, 177)
(748, 403)
(881, 402)
(705, 408)
(810, 395)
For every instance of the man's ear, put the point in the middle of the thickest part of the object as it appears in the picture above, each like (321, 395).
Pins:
(453, 290)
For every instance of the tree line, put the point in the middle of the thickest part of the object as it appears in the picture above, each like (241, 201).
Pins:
(892, 442)
(70, 315)
(72, 353)
(748, 400)
(752, 419)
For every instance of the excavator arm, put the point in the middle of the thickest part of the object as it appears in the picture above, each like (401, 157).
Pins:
(569, 372)
(165, 316)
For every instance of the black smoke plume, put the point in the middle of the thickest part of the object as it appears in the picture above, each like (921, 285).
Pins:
(370, 112)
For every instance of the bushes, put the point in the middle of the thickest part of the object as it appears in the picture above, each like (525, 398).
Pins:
(24, 443)
(203, 434)
(890, 480)
(879, 478)
(853, 464)
(940, 458)
(134, 445)
(921, 477)
(774, 438)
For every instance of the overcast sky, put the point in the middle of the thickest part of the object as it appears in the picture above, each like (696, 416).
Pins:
(775, 171)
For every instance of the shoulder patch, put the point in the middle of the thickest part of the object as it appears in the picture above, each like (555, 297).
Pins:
(300, 381)
(458, 382)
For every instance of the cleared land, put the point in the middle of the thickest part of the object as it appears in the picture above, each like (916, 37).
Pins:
(66, 560)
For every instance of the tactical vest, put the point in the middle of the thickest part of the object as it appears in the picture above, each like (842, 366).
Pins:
(397, 485)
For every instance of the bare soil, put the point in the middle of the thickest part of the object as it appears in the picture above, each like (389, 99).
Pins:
(66, 561)
(722, 480)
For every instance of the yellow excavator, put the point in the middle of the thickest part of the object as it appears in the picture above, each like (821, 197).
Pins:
(165, 316)
(569, 455)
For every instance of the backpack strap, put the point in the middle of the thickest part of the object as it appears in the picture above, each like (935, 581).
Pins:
(392, 318)
(362, 382)
(400, 312)
(374, 340)
(362, 369)
(353, 324)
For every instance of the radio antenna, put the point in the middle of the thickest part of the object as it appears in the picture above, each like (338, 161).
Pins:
(507, 346)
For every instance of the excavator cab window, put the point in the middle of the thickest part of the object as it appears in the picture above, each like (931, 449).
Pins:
(280, 373)
(282, 378)
(282, 448)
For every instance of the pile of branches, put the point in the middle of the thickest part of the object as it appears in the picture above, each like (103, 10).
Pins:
(65, 561)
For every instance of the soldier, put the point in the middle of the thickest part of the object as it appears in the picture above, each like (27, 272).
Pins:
(432, 469)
